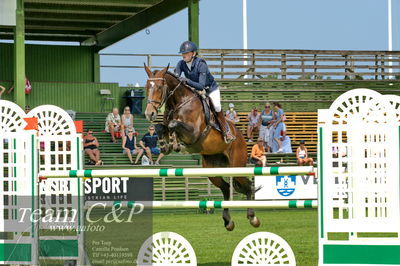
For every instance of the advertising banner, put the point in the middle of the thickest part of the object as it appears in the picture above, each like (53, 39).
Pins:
(286, 187)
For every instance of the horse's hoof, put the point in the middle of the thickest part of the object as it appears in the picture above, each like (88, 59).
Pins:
(254, 221)
(230, 226)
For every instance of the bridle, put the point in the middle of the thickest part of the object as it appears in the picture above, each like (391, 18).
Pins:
(165, 97)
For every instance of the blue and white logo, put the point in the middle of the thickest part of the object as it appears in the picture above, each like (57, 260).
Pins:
(286, 185)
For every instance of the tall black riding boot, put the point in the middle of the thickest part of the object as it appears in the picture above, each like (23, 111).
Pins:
(226, 130)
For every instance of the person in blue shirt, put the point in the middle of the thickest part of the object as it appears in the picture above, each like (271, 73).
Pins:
(279, 125)
(149, 144)
(194, 71)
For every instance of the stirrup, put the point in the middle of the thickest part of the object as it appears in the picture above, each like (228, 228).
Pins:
(229, 140)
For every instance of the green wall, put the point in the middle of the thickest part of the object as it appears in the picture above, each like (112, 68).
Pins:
(50, 63)
(78, 96)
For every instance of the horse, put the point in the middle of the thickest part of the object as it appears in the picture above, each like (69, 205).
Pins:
(185, 121)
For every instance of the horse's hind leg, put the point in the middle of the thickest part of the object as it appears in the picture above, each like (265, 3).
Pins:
(243, 185)
(219, 160)
(224, 186)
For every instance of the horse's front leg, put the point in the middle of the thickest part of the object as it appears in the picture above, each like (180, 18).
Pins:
(184, 132)
(163, 137)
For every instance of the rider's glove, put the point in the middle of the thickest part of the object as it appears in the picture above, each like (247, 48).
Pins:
(183, 79)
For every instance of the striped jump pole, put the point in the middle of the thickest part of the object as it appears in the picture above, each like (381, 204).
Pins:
(283, 204)
(187, 172)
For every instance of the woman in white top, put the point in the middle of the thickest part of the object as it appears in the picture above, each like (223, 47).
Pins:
(302, 155)
(126, 121)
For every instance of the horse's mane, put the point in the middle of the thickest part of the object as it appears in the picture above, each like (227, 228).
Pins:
(172, 74)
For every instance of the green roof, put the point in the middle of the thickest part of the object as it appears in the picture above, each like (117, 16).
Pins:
(91, 22)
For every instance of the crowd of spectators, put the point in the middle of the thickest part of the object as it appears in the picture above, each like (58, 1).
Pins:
(269, 124)
(122, 127)
(272, 138)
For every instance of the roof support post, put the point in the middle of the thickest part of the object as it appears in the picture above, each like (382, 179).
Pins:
(193, 16)
(96, 66)
(19, 56)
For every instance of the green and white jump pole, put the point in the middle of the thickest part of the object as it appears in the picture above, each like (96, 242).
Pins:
(238, 204)
(187, 172)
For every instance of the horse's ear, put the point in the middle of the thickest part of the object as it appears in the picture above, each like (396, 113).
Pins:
(162, 72)
(148, 71)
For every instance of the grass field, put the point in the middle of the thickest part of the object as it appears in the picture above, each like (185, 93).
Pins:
(214, 245)
(211, 242)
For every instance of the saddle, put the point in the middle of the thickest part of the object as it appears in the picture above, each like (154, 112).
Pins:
(209, 110)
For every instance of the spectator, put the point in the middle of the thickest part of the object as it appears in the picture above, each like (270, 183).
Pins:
(302, 155)
(126, 121)
(91, 146)
(113, 124)
(231, 114)
(286, 142)
(267, 126)
(149, 144)
(254, 119)
(129, 146)
(2, 89)
(258, 154)
(280, 117)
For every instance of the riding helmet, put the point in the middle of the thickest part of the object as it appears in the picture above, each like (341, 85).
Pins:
(187, 47)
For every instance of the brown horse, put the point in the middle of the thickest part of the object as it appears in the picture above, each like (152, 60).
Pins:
(184, 118)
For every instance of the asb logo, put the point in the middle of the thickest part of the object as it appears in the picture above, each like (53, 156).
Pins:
(286, 185)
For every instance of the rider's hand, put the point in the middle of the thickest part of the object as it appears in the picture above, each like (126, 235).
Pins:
(183, 79)
(202, 92)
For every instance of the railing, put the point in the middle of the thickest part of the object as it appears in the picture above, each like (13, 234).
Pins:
(278, 64)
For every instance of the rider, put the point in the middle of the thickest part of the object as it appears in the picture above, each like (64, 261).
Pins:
(197, 75)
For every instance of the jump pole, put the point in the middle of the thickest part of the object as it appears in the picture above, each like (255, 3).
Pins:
(178, 172)
(283, 204)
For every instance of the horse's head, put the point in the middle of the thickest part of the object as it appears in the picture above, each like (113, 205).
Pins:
(156, 88)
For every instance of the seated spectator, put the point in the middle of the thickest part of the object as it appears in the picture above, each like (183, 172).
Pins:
(280, 118)
(302, 155)
(113, 124)
(258, 154)
(231, 114)
(91, 146)
(126, 121)
(267, 126)
(149, 144)
(2, 89)
(129, 146)
(254, 119)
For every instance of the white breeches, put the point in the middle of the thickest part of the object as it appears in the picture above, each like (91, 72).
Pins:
(216, 99)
